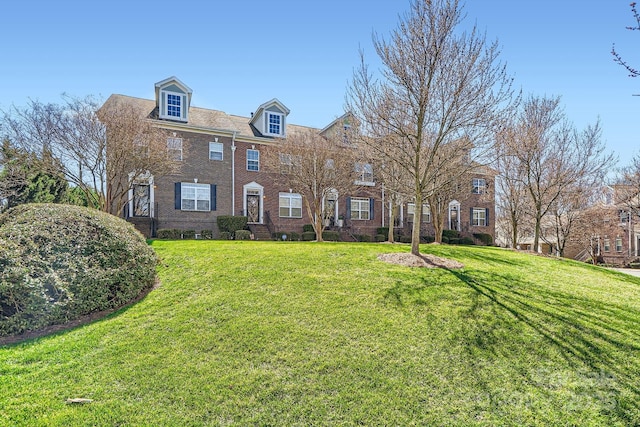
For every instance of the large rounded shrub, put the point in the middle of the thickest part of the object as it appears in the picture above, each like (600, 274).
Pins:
(60, 262)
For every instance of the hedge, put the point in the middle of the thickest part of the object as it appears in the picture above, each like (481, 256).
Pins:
(61, 262)
(230, 223)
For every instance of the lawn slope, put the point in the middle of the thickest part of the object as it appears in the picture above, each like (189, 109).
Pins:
(284, 333)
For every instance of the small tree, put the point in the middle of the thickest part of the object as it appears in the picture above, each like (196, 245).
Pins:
(28, 178)
(315, 166)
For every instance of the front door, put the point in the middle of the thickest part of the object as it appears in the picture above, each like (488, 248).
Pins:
(141, 200)
(253, 207)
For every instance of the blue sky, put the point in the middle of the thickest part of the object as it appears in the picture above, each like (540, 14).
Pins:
(237, 54)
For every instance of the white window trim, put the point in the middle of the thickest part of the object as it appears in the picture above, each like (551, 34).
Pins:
(257, 151)
(173, 138)
(361, 170)
(479, 189)
(266, 123)
(221, 151)
(426, 211)
(144, 178)
(291, 197)
(196, 186)
(164, 113)
(360, 202)
(482, 217)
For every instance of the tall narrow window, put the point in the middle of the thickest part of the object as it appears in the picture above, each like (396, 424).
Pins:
(174, 105)
(275, 123)
(253, 160)
(215, 150)
(365, 174)
(618, 244)
(174, 148)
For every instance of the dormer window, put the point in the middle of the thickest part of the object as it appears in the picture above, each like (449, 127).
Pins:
(275, 123)
(173, 99)
(174, 105)
(270, 119)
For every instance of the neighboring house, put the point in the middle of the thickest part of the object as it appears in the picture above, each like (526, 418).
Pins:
(222, 174)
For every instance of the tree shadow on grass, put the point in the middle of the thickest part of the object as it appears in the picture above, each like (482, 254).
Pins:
(587, 331)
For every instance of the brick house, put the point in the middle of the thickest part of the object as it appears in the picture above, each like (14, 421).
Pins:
(222, 174)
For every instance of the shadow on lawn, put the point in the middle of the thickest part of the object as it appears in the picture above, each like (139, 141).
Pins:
(588, 332)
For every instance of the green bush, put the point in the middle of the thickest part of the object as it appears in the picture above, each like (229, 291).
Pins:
(363, 237)
(206, 234)
(331, 236)
(169, 233)
(242, 235)
(307, 228)
(189, 234)
(230, 223)
(445, 239)
(225, 235)
(404, 239)
(382, 230)
(60, 262)
(292, 236)
(308, 236)
(427, 239)
(453, 240)
(486, 239)
(381, 237)
(450, 234)
(466, 241)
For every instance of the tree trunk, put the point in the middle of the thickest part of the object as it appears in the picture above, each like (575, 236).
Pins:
(415, 233)
(392, 221)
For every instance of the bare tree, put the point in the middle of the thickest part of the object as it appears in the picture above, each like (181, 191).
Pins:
(97, 145)
(315, 167)
(553, 155)
(617, 58)
(438, 85)
(513, 204)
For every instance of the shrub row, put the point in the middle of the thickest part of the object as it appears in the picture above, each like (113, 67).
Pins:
(177, 234)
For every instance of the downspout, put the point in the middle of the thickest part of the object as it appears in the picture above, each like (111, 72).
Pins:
(382, 210)
(233, 173)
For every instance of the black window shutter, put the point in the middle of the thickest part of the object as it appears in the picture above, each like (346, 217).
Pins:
(348, 207)
(178, 195)
(486, 216)
(213, 197)
(470, 216)
(371, 207)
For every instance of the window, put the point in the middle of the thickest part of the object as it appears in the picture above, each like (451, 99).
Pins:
(290, 205)
(618, 244)
(174, 105)
(174, 148)
(365, 174)
(275, 123)
(253, 160)
(607, 245)
(426, 212)
(215, 150)
(360, 208)
(624, 217)
(195, 197)
(479, 217)
(479, 186)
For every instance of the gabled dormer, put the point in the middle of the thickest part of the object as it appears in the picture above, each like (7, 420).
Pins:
(270, 119)
(341, 128)
(173, 99)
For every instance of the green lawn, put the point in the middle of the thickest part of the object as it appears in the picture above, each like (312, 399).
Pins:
(282, 333)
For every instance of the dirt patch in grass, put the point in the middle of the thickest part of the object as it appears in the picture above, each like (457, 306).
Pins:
(422, 260)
